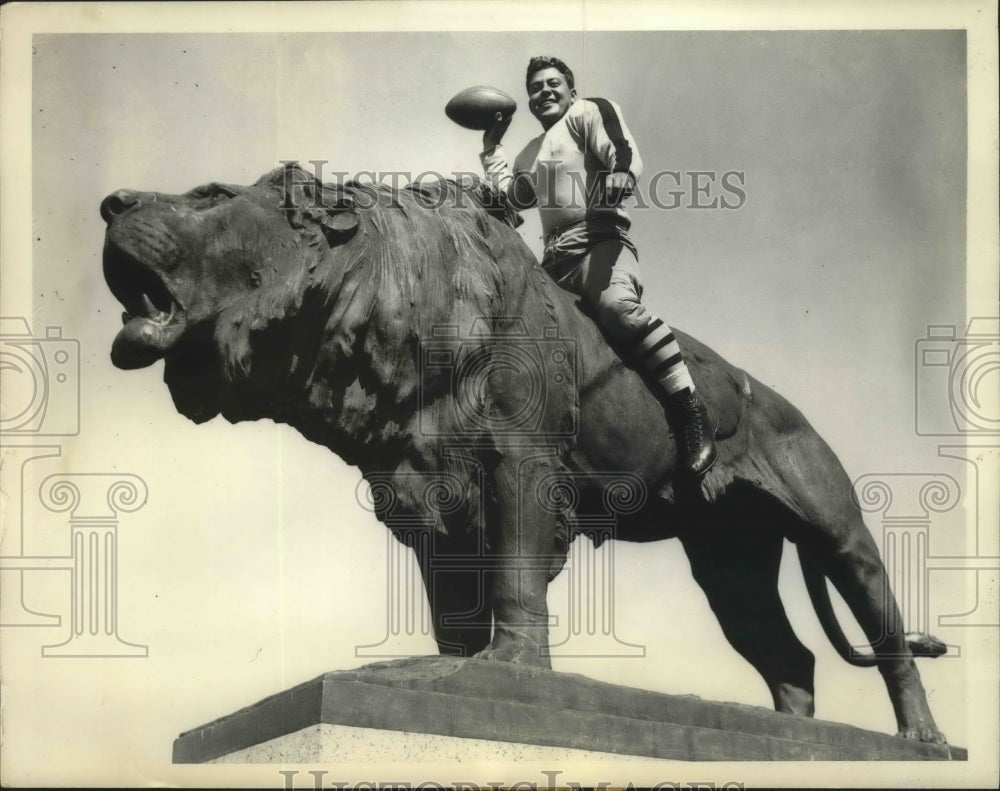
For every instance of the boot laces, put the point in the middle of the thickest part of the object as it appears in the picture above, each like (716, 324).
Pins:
(694, 427)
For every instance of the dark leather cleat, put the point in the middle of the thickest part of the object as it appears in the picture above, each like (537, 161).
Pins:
(694, 431)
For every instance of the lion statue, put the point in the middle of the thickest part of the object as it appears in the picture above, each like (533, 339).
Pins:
(413, 333)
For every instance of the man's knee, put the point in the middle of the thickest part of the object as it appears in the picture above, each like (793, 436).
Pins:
(622, 317)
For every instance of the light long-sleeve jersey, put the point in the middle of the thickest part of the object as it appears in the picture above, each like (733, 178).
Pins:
(562, 170)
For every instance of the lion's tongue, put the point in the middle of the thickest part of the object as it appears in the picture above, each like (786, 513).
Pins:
(143, 341)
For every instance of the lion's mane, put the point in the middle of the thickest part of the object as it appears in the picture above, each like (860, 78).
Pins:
(345, 327)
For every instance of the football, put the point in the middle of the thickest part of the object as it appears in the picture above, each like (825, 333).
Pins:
(476, 107)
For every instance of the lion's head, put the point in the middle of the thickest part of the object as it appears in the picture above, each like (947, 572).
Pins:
(290, 297)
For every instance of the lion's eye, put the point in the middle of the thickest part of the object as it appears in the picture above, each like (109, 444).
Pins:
(210, 195)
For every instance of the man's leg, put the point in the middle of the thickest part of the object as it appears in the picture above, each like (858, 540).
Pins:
(609, 280)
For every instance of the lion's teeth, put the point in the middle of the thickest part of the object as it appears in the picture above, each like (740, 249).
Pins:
(148, 304)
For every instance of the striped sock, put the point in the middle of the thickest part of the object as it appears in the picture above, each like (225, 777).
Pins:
(657, 351)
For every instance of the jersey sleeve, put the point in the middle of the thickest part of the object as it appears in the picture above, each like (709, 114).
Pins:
(515, 184)
(600, 125)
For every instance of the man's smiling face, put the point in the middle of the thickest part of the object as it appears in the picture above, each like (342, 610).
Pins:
(549, 95)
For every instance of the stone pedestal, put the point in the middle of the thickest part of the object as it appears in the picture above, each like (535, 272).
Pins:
(446, 700)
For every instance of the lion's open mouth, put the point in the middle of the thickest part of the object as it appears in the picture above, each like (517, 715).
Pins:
(153, 317)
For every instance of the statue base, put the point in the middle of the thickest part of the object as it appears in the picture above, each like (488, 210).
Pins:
(433, 706)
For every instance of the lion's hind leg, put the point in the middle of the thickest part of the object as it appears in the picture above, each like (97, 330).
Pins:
(796, 467)
(736, 563)
(857, 572)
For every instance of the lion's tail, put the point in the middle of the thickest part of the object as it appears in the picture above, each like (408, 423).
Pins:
(919, 643)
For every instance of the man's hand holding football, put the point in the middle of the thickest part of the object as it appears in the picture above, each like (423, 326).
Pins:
(493, 135)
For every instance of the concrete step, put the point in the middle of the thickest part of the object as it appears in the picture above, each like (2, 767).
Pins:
(503, 702)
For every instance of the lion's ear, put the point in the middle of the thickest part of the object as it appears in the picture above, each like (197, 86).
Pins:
(341, 221)
(338, 223)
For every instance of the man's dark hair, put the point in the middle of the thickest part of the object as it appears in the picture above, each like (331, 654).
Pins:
(540, 62)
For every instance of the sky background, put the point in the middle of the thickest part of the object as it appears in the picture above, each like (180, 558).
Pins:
(252, 568)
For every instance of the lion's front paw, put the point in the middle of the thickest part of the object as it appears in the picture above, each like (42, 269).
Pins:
(930, 735)
(515, 648)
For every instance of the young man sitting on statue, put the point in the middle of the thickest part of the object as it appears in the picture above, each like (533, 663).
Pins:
(587, 148)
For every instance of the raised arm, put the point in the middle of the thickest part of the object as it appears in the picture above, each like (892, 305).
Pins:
(516, 185)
